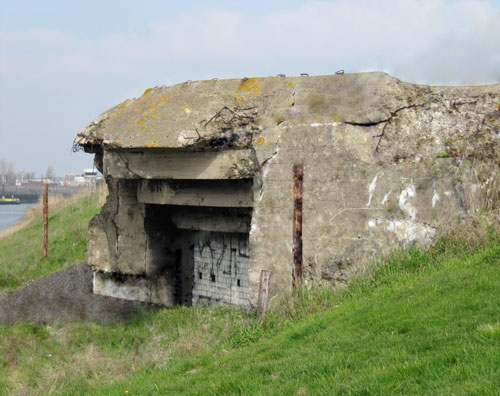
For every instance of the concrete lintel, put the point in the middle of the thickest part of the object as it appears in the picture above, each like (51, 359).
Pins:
(215, 194)
(213, 220)
(207, 165)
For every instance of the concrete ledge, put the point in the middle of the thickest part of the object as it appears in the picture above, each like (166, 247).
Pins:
(234, 193)
(207, 165)
(133, 288)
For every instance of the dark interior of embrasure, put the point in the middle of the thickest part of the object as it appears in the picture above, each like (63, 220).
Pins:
(200, 251)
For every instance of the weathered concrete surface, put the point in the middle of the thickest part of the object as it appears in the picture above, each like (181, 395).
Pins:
(61, 297)
(386, 164)
(212, 219)
(117, 238)
(234, 164)
(150, 290)
(232, 194)
(229, 112)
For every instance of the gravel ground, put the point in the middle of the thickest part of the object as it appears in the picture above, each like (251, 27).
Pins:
(64, 296)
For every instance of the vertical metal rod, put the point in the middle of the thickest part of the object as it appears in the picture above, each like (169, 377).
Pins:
(298, 178)
(45, 200)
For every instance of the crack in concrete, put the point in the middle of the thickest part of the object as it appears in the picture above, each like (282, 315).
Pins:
(385, 121)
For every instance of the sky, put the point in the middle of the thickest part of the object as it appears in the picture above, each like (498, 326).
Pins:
(62, 63)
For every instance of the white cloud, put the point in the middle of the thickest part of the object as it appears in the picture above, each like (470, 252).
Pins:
(429, 41)
(62, 80)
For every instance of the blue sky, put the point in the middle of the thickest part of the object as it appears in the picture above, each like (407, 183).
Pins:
(64, 62)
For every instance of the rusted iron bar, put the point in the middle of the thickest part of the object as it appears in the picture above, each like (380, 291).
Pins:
(45, 201)
(298, 178)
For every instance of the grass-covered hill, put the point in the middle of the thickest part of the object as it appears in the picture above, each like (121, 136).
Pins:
(422, 323)
(21, 246)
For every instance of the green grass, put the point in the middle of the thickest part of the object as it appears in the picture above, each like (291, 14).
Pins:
(443, 154)
(21, 253)
(424, 322)
(418, 327)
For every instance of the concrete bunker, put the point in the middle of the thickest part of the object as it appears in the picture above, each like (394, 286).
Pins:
(202, 181)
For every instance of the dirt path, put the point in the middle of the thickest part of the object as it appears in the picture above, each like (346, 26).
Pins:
(61, 297)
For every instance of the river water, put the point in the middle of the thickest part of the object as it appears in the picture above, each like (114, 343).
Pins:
(9, 214)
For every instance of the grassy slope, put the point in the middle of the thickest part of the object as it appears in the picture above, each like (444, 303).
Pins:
(423, 323)
(433, 331)
(21, 253)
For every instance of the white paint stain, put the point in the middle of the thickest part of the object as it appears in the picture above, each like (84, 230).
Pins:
(371, 189)
(409, 232)
(405, 201)
(372, 223)
(435, 198)
(254, 228)
(386, 197)
(187, 137)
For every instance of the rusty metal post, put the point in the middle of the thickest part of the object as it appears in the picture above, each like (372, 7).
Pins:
(45, 201)
(298, 178)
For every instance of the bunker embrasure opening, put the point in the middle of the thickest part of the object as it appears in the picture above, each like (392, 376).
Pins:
(193, 243)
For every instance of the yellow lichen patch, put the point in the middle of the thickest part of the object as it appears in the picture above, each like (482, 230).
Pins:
(250, 86)
(122, 105)
(335, 119)
(141, 121)
(153, 135)
(186, 109)
(120, 142)
(153, 126)
(153, 143)
(119, 108)
(290, 84)
(147, 91)
(155, 115)
(143, 128)
(163, 99)
(150, 110)
(239, 98)
(260, 141)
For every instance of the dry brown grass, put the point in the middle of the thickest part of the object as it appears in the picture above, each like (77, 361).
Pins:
(66, 352)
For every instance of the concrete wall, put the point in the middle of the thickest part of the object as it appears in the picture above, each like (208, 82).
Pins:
(221, 268)
(369, 189)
